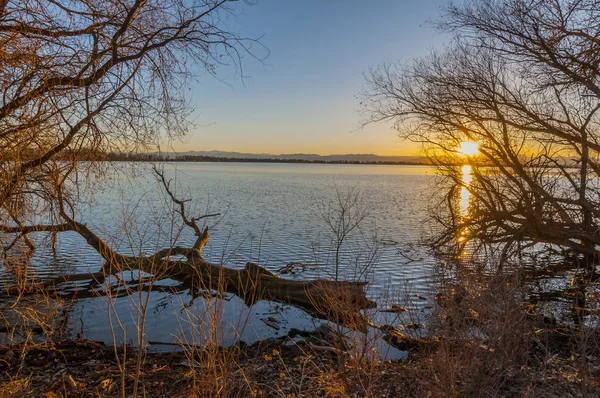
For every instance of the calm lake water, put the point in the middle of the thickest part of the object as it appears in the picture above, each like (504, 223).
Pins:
(270, 215)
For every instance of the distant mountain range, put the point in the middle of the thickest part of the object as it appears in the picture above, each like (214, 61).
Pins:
(310, 157)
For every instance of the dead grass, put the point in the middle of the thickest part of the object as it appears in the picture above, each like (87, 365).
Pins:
(275, 369)
(483, 338)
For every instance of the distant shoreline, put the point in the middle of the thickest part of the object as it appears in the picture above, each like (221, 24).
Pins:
(211, 159)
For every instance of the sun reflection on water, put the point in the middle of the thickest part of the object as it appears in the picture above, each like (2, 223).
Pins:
(464, 202)
(465, 194)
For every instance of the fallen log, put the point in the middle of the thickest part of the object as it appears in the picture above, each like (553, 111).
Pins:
(321, 298)
(403, 342)
(338, 301)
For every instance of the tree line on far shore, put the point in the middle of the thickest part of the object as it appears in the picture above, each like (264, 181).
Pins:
(154, 157)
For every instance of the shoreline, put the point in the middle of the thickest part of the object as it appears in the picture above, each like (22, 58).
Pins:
(266, 160)
(271, 368)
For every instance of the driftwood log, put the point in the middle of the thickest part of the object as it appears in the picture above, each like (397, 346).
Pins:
(334, 300)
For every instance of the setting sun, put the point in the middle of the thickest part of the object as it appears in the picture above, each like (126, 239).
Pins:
(469, 148)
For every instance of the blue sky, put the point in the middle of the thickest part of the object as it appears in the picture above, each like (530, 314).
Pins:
(302, 98)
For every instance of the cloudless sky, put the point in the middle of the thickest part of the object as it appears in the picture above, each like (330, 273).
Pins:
(302, 98)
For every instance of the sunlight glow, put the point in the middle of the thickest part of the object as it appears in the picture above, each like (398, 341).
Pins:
(465, 195)
(468, 148)
(465, 199)
(464, 209)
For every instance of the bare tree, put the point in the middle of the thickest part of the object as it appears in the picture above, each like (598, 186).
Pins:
(342, 216)
(80, 78)
(521, 80)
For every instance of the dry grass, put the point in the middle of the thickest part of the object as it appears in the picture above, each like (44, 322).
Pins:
(480, 338)
(484, 339)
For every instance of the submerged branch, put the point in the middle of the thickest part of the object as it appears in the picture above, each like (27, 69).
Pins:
(251, 284)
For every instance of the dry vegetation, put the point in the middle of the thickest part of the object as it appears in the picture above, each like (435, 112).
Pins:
(82, 77)
(481, 339)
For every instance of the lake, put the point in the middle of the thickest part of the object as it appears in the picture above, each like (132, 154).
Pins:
(271, 214)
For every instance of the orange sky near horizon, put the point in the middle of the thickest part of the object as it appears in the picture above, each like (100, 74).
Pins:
(377, 139)
(305, 95)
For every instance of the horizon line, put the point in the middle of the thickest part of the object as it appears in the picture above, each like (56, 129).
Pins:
(288, 153)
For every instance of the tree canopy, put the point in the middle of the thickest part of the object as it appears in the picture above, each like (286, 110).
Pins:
(81, 78)
(520, 79)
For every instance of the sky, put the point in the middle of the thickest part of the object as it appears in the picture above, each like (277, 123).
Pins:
(303, 97)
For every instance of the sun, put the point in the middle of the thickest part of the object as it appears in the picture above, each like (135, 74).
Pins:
(469, 148)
